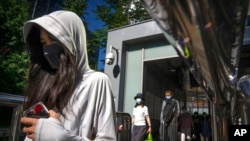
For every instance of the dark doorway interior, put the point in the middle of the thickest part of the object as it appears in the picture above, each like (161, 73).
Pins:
(164, 74)
(169, 73)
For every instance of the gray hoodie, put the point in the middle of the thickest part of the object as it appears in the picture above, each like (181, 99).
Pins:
(92, 110)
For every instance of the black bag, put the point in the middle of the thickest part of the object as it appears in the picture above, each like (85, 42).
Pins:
(168, 112)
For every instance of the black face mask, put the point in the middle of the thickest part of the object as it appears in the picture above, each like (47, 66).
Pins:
(52, 54)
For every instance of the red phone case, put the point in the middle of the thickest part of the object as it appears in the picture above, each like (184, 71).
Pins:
(39, 110)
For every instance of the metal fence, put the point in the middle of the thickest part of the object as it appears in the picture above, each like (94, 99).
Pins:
(123, 126)
(10, 128)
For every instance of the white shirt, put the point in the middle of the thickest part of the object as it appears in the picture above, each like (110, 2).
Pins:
(139, 114)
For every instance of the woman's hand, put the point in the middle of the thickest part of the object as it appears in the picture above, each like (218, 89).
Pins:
(149, 129)
(30, 124)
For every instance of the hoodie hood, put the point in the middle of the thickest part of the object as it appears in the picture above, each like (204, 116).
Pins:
(67, 28)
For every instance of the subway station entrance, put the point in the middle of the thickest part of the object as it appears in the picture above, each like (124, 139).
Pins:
(149, 64)
(171, 73)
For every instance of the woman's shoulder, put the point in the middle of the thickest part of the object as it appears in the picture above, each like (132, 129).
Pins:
(145, 107)
(96, 75)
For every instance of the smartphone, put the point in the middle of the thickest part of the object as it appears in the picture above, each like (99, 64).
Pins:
(38, 110)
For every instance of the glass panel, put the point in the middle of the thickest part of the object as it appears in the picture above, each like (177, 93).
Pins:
(157, 50)
(133, 80)
(134, 70)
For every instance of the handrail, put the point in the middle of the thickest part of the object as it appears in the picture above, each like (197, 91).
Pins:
(11, 99)
(123, 126)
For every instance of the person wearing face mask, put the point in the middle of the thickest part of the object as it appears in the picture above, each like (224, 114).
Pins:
(140, 113)
(170, 111)
(79, 99)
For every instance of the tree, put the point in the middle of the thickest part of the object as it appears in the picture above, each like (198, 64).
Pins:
(118, 13)
(13, 61)
(80, 7)
(77, 6)
(14, 72)
(12, 14)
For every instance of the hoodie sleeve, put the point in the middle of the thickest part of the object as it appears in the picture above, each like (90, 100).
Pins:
(51, 129)
(99, 115)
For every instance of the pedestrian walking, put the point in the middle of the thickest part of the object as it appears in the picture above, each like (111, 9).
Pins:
(140, 119)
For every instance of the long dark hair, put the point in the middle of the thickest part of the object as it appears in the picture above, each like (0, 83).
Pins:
(53, 87)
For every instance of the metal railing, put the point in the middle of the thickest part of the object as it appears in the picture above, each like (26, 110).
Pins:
(15, 102)
(123, 121)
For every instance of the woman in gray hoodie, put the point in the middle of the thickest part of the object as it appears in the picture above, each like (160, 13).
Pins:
(79, 99)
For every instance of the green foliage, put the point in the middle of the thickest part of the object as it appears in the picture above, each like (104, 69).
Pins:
(77, 6)
(137, 13)
(96, 40)
(14, 72)
(112, 15)
(80, 7)
(117, 13)
(12, 14)
(120, 13)
(13, 60)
